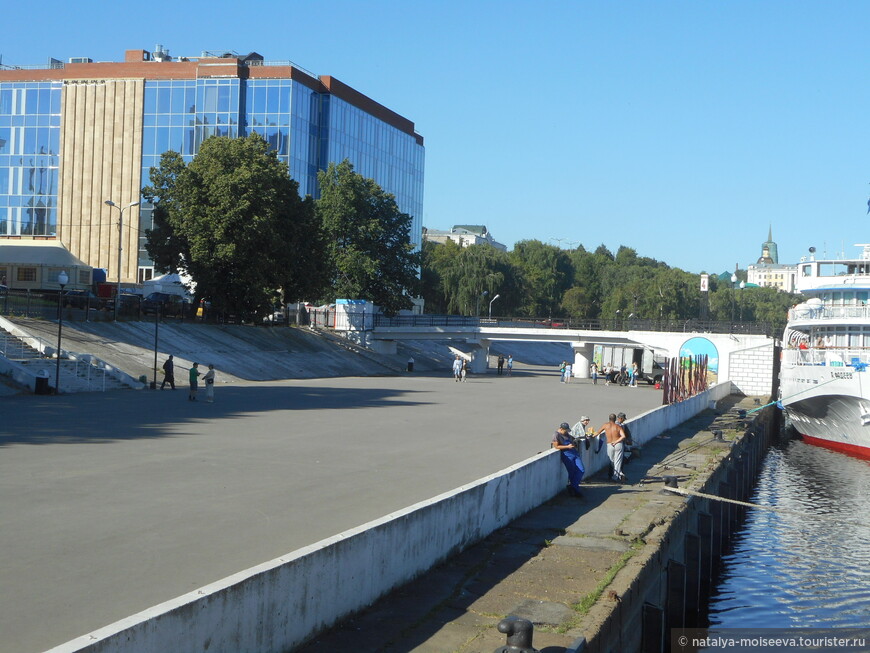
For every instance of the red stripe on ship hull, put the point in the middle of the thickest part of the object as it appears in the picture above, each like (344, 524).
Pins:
(843, 447)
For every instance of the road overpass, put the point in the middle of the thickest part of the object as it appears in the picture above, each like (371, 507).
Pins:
(743, 358)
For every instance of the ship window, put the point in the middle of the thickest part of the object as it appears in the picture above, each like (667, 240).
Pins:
(862, 296)
(805, 270)
(849, 297)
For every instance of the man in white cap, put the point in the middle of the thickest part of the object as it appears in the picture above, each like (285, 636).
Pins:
(563, 441)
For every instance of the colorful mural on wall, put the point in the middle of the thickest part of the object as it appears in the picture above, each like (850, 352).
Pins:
(702, 347)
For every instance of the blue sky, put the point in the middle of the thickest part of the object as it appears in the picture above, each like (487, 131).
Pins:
(681, 129)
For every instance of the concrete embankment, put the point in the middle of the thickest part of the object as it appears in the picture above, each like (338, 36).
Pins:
(613, 572)
(546, 564)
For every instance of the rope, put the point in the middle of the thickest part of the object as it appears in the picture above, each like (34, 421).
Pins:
(790, 396)
(746, 504)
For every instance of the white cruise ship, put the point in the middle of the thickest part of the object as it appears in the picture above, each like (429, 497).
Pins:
(824, 380)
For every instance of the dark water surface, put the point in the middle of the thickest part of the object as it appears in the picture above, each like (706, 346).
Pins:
(800, 571)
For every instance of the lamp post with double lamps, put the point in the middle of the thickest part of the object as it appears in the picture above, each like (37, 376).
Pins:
(121, 210)
(62, 280)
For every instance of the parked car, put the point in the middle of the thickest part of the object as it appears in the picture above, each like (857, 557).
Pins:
(277, 316)
(129, 303)
(81, 299)
(168, 305)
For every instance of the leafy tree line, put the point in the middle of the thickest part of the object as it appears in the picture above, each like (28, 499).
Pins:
(540, 280)
(232, 220)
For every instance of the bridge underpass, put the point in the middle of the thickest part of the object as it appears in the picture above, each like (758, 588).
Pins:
(735, 355)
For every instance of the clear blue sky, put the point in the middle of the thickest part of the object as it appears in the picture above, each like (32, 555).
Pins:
(681, 129)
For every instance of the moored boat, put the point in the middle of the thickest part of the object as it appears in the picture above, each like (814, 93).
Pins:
(824, 380)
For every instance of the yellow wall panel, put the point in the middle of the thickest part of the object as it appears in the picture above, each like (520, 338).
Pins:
(101, 155)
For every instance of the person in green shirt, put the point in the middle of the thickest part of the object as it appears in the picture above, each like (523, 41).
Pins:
(194, 376)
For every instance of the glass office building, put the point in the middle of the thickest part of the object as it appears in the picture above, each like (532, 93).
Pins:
(74, 135)
(29, 158)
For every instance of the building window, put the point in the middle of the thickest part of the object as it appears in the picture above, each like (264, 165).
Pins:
(26, 274)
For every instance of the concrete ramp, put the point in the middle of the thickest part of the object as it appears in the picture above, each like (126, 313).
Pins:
(245, 353)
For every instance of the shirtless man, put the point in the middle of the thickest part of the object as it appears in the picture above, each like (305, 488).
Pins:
(615, 447)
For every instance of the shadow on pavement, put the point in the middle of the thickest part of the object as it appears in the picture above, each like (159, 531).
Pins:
(125, 415)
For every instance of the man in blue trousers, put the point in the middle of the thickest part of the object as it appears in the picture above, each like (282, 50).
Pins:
(563, 441)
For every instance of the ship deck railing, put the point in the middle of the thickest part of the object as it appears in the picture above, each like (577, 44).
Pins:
(854, 357)
(829, 313)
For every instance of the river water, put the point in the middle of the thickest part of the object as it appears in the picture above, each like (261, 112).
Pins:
(810, 570)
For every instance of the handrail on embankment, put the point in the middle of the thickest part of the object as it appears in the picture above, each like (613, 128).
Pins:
(282, 603)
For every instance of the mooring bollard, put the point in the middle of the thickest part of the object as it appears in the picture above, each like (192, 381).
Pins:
(519, 632)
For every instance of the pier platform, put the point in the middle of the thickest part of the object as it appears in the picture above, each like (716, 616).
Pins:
(564, 566)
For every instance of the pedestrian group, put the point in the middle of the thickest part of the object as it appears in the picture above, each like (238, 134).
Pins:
(572, 442)
(208, 379)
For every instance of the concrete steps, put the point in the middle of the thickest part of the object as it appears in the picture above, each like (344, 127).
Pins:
(26, 358)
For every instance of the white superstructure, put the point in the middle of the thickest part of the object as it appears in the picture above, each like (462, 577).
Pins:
(824, 381)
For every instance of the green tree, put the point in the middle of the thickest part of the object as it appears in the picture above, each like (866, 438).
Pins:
(234, 222)
(436, 258)
(368, 240)
(546, 275)
(476, 270)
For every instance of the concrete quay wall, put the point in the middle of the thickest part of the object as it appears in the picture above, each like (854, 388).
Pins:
(284, 602)
(666, 585)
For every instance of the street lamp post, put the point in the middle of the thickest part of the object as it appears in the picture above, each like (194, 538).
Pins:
(121, 210)
(490, 304)
(742, 286)
(156, 330)
(62, 280)
(733, 283)
(477, 309)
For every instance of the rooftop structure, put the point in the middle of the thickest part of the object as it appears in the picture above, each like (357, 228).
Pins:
(464, 235)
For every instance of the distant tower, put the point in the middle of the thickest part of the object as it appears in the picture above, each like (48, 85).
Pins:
(769, 253)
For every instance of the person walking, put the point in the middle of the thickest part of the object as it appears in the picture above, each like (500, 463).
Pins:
(562, 372)
(615, 446)
(457, 369)
(593, 372)
(194, 382)
(563, 441)
(568, 372)
(168, 373)
(634, 372)
(510, 364)
(500, 363)
(208, 379)
(463, 373)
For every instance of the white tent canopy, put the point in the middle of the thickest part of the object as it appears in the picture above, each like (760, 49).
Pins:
(172, 284)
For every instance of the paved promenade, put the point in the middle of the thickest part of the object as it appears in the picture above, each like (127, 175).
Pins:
(111, 503)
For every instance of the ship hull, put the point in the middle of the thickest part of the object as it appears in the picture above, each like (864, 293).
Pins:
(829, 407)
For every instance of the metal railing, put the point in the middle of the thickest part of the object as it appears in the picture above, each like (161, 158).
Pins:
(829, 312)
(858, 357)
(685, 326)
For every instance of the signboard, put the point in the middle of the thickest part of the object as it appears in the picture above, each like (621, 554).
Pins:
(705, 280)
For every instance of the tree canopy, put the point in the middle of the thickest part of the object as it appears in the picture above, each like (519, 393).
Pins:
(540, 280)
(233, 221)
(369, 253)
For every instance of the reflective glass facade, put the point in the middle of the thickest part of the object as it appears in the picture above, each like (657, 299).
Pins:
(103, 111)
(307, 129)
(29, 157)
(378, 151)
